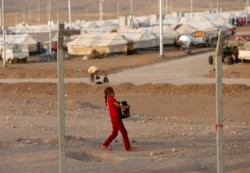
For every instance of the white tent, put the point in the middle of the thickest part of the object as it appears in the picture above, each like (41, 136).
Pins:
(104, 29)
(19, 29)
(185, 29)
(170, 20)
(169, 34)
(221, 24)
(142, 37)
(142, 21)
(203, 26)
(20, 41)
(194, 18)
(213, 16)
(102, 43)
(228, 16)
(89, 24)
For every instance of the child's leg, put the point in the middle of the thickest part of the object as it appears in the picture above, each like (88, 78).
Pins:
(113, 135)
(124, 135)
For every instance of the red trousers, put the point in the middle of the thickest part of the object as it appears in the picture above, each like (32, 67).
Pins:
(117, 124)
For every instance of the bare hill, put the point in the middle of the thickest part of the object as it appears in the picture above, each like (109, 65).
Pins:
(27, 10)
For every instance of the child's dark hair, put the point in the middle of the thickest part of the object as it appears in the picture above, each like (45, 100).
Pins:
(107, 91)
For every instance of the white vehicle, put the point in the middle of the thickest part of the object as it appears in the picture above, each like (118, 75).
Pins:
(244, 52)
(198, 38)
(187, 41)
(14, 55)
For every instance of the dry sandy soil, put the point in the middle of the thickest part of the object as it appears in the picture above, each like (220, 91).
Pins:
(172, 126)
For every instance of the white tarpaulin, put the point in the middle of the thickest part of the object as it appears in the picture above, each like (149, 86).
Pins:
(142, 37)
(103, 43)
(169, 34)
(20, 40)
(185, 29)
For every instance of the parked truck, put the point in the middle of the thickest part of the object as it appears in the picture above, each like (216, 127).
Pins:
(244, 52)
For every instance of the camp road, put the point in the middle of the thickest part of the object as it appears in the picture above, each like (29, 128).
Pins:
(189, 70)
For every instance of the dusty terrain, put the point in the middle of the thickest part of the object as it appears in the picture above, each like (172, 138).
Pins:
(16, 12)
(172, 126)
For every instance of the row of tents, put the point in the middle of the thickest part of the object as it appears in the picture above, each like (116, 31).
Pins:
(112, 37)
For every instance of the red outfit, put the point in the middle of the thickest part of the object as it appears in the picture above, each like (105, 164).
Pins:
(117, 124)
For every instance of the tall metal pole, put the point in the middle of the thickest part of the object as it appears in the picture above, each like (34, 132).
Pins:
(118, 10)
(16, 18)
(161, 27)
(57, 16)
(38, 12)
(24, 15)
(86, 13)
(69, 6)
(4, 33)
(171, 6)
(166, 11)
(131, 14)
(131, 7)
(247, 6)
(219, 103)
(50, 23)
(62, 160)
(30, 17)
(101, 11)
(217, 6)
(192, 10)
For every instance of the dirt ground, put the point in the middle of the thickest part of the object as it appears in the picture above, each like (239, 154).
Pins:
(172, 126)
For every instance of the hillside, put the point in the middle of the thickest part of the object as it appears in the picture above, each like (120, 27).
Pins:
(27, 10)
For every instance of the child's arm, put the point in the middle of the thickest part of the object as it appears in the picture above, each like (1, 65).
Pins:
(121, 106)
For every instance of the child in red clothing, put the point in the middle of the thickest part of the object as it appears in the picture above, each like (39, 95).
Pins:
(117, 123)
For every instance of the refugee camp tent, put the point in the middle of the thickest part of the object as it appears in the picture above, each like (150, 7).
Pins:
(66, 39)
(169, 34)
(230, 17)
(97, 30)
(111, 22)
(203, 26)
(142, 21)
(185, 29)
(222, 24)
(141, 37)
(101, 43)
(22, 41)
(242, 17)
(89, 24)
(73, 26)
(213, 16)
(189, 18)
(19, 29)
(171, 20)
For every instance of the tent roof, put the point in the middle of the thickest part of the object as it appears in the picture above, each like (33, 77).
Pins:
(203, 26)
(167, 31)
(138, 34)
(23, 39)
(185, 29)
(98, 39)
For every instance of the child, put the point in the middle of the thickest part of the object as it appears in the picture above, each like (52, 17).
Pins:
(106, 79)
(117, 123)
